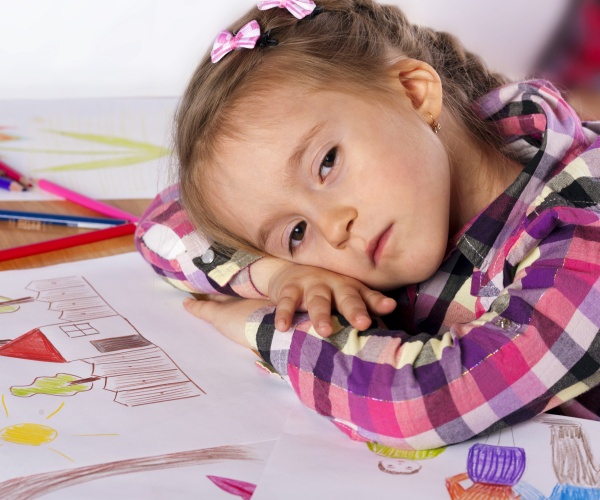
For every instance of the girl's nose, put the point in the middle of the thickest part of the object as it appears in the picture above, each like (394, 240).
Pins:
(336, 225)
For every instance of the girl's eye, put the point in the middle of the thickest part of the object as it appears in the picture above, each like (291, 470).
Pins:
(327, 164)
(296, 236)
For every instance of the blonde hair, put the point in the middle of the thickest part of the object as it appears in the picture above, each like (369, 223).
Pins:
(346, 47)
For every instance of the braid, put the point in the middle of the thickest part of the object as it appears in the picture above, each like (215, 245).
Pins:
(348, 46)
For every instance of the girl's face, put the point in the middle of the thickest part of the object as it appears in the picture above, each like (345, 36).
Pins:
(347, 184)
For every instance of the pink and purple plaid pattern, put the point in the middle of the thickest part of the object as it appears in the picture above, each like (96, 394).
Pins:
(506, 329)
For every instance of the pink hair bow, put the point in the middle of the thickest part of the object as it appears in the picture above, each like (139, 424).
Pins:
(226, 41)
(298, 8)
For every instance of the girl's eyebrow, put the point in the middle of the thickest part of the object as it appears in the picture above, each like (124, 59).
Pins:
(290, 169)
(295, 159)
(264, 231)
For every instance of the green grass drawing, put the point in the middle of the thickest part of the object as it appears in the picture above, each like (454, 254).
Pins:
(125, 152)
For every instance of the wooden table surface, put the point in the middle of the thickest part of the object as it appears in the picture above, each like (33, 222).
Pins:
(12, 236)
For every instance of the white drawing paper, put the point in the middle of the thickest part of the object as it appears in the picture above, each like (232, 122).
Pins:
(110, 389)
(102, 148)
(104, 365)
(550, 457)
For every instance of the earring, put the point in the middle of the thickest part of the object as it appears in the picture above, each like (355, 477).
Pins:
(435, 126)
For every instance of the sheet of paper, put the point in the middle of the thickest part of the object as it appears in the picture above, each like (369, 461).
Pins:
(109, 389)
(222, 473)
(313, 459)
(102, 148)
(104, 365)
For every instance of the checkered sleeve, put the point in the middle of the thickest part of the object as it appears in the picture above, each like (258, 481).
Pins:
(535, 346)
(184, 257)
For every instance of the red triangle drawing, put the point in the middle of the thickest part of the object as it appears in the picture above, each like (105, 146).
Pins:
(32, 345)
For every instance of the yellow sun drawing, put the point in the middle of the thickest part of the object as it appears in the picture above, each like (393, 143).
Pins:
(33, 434)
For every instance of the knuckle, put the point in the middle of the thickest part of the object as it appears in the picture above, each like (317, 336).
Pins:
(318, 301)
(290, 290)
(350, 302)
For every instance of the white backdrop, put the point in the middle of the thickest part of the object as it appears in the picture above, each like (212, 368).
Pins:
(101, 48)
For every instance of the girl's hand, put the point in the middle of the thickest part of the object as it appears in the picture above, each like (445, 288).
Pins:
(226, 314)
(297, 287)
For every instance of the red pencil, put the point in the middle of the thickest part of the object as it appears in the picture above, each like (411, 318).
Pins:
(14, 175)
(67, 242)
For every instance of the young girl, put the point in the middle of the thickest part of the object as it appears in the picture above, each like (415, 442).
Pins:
(357, 153)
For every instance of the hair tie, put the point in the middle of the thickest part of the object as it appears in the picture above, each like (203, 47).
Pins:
(265, 40)
(298, 8)
(226, 41)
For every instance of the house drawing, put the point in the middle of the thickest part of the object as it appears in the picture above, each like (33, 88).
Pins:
(135, 369)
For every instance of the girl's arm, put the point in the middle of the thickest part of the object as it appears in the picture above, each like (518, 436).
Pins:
(186, 259)
(535, 347)
(166, 239)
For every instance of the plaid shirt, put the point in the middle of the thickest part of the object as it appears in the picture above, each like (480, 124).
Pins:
(506, 329)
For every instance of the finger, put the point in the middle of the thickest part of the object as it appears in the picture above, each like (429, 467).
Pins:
(319, 305)
(222, 298)
(203, 309)
(351, 305)
(289, 300)
(376, 302)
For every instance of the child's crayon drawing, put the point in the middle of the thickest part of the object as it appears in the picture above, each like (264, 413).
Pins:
(121, 152)
(195, 416)
(82, 339)
(395, 461)
(45, 483)
(8, 308)
(241, 489)
(104, 148)
(35, 433)
(135, 369)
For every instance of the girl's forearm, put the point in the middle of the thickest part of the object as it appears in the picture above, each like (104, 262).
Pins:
(263, 270)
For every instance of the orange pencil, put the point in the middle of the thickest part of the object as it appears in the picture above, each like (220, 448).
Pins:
(67, 242)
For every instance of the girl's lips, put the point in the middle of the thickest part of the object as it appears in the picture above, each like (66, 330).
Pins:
(375, 248)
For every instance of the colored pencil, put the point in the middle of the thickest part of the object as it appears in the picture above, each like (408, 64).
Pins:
(67, 242)
(84, 201)
(11, 173)
(10, 185)
(61, 220)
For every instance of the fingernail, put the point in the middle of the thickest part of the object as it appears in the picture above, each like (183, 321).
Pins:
(324, 326)
(281, 325)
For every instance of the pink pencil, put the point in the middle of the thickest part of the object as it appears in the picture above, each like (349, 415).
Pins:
(84, 201)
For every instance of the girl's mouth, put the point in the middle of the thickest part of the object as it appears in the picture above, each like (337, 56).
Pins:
(377, 245)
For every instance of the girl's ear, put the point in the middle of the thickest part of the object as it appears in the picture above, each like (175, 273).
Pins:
(421, 84)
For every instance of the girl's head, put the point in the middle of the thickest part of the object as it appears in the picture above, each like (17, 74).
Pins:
(322, 142)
